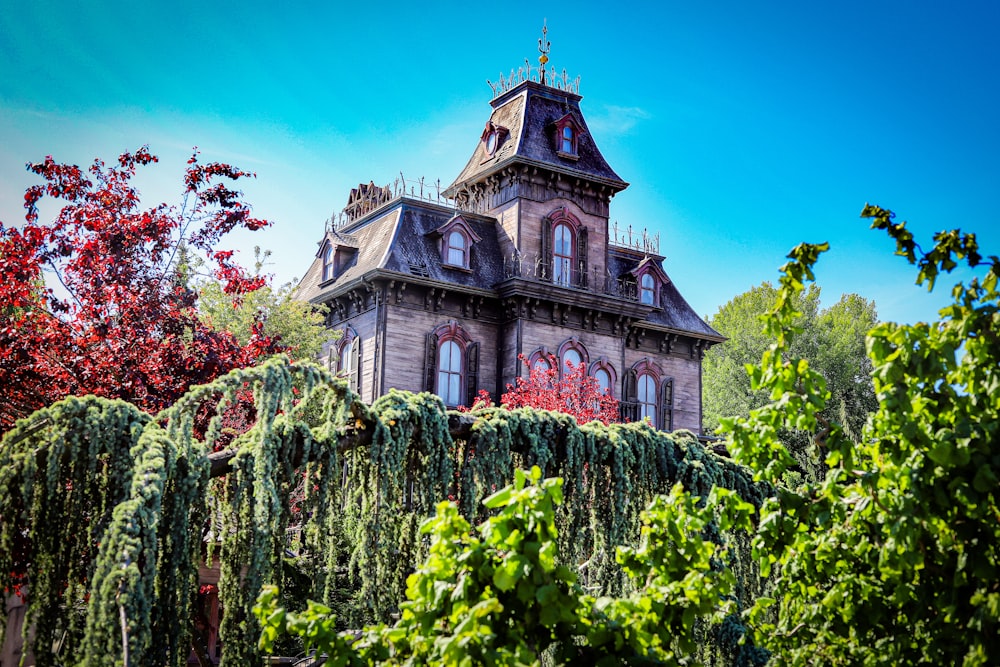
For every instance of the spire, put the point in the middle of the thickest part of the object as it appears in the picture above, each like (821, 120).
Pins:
(544, 45)
(537, 74)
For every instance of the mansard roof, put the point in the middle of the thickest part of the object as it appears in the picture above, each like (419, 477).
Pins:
(401, 240)
(674, 313)
(529, 113)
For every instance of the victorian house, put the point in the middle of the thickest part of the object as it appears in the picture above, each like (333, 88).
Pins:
(444, 293)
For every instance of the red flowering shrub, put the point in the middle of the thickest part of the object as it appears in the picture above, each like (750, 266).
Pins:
(122, 320)
(574, 393)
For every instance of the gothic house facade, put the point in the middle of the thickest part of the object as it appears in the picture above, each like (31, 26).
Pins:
(515, 257)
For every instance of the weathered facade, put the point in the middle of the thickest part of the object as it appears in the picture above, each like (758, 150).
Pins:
(515, 257)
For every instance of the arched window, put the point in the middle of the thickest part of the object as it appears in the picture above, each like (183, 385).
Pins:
(647, 289)
(328, 262)
(573, 353)
(566, 144)
(348, 363)
(451, 365)
(457, 249)
(562, 254)
(571, 359)
(449, 382)
(603, 377)
(646, 397)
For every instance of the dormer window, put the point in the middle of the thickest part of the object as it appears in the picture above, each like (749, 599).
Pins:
(493, 135)
(647, 289)
(457, 239)
(568, 144)
(328, 262)
(567, 135)
(457, 249)
(649, 279)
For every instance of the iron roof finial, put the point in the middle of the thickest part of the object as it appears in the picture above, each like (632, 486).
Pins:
(543, 47)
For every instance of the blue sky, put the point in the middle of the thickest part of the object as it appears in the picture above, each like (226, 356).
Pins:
(743, 128)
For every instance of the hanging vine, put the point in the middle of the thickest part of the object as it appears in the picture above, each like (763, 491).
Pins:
(158, 500)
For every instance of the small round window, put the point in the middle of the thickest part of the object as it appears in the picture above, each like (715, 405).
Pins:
(491, 142)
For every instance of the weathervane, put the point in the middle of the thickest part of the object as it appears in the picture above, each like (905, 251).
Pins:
(543, 47)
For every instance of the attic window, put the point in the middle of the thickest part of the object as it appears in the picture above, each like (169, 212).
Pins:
(647, 289)
(567, 137)
(458, 249)
(328, 263)
(493, 135)
(457, 239)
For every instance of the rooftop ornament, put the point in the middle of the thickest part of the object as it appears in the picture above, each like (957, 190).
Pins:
(537, 74)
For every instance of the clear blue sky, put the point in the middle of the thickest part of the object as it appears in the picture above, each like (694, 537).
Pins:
(743, 127)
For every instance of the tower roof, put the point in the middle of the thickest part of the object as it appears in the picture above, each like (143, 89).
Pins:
(528, 118)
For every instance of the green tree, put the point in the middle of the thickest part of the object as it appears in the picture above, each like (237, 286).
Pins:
(894, 557)
(293, 324)
(832, 339)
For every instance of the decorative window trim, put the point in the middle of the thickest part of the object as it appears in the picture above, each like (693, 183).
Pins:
(452, 331)
(570, 122)
(578, 247)
(352, 373)
(541, 355)
(603, 364)
(328, 266)
(572, 344)
(334, 257)
(462, 226)
(498, 134)
(649, 267)
(630, 392)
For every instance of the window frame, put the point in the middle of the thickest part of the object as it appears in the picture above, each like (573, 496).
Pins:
(575, 128)
(449, 373)
(572, 344)
(463, 248)
(349, 367)
(603, 365)
(329, 272)
(564, 275)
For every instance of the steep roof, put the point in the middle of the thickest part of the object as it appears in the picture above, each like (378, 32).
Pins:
(403, 240)
(529, 112)
(675, 312)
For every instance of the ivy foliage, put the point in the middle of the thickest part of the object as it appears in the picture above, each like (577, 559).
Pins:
(500, 596)
(893, 559)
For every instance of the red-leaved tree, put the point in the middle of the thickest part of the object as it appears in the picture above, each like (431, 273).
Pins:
(97, 302)
(574, 392)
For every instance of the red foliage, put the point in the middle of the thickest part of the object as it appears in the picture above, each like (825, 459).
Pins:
(123, 322)
(575, 393)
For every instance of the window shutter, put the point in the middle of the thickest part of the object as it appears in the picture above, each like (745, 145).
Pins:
(546, 259)
(630, 391)
(667, 405)
(355, 378)
(581, 256)
(471, 373)
(430, 361)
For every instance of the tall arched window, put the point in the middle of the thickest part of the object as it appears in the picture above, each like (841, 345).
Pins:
(562, 254)
(451, 365)
(647, 289)
(348, 363)
(449, 382)
(603, 377)
(646, 397)
(571, 357)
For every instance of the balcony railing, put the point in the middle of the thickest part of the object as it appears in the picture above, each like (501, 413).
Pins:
(534, 267)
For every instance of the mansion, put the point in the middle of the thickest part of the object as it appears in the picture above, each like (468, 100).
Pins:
(444, 293)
